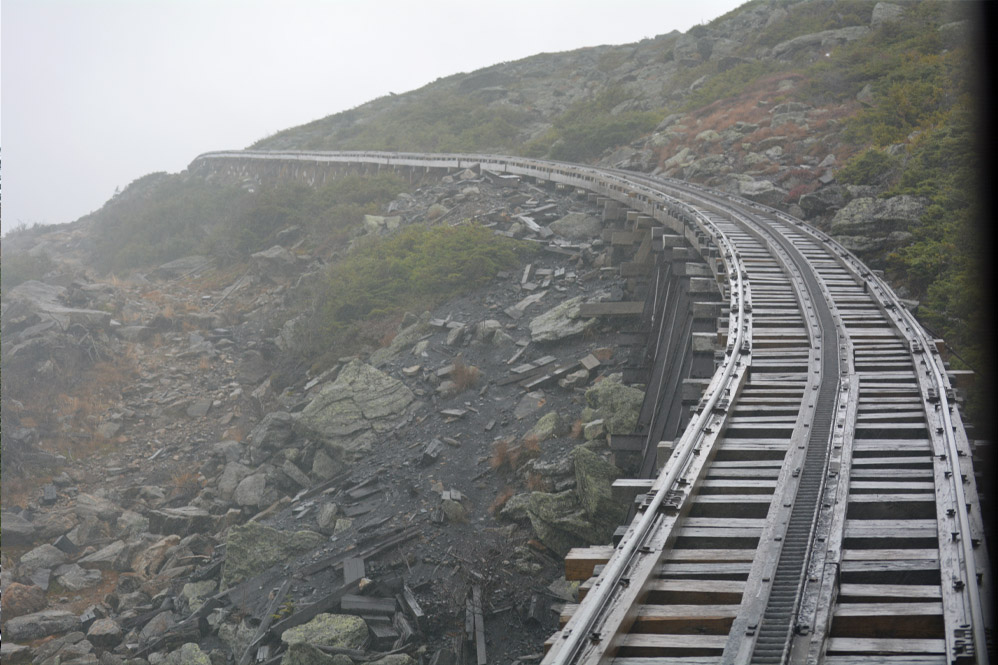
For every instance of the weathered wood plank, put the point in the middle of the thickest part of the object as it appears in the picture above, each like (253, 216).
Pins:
(895, 620)
(884, 646)
(580, 561)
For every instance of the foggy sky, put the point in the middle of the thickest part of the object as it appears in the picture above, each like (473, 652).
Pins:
(97, 93)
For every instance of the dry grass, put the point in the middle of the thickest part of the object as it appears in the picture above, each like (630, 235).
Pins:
(465, 376)
(500, 501)
(508, 456)
(186, 484)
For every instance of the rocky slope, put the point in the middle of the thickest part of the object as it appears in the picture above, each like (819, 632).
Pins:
(174, 505)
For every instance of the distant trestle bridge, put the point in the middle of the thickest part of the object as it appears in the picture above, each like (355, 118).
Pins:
(820, 506)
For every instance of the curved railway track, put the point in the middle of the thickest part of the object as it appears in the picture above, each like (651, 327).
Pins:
(820, 507)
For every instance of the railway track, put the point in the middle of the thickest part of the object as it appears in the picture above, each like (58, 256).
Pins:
(820, 507)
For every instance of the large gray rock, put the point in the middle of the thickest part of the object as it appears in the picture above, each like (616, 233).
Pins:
(253, 547)
(823, 40)
(617, 405)
(560, 321)
(47, 301)
(577, 226)
(884, 13)
(16, 529)
(560, 522)
(594, 478)
(328, 630)
(761, 191)
(73, 577)
(869, 224)
(188, 654)
(112, 557)
(823, 200)
(232, 475)
(348, 414)
(40, 624)
(43, 556)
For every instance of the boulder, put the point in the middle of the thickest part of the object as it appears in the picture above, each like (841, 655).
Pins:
(188, 654)
(43, 556)
(560, 321)
(12, 654)
(329, 630)
(182, 521)
(252, 548)
(276, 261)
(19, 531)
(253, 492)
(560, 522)
(73, 577)
(823, 200)
(104, 633)
(194, 593)
(869, 224)
(577, 226)
(550, 425)
(111, 557)
(349, 413)
(47, 302)
(884, 13)
(271, 434)
(40, 624)
(594, 478)
(148, 562)
(158, 625)
(20, 599)
(616, 404)
(819, 40)
(761, 191)
(89, 506)
(232, 475)
(379, 224)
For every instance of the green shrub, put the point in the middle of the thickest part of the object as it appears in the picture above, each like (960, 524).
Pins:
(872, 167)
(415, 269)
(19, 268)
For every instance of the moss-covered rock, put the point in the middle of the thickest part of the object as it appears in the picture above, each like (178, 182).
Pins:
(329, 630)
(616, 404)
(348, 414)
(252, 548)
(561, 321)
(561, 523)
(188, 654)
(550, 425)
(594, 478)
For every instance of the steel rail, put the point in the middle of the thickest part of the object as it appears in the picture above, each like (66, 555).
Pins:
(584, 176)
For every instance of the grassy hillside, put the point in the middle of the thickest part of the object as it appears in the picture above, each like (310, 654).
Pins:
(828, 101)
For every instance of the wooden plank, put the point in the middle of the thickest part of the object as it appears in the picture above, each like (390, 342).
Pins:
(674, 619)
(621, 308)
(885, 555)
(715, 555)
(265, 621)
(637, 644)
(854, 593)
(884, 646)
(910, 659)
(580, 561)
(354, 604)
(480, 653)
(696, 591)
